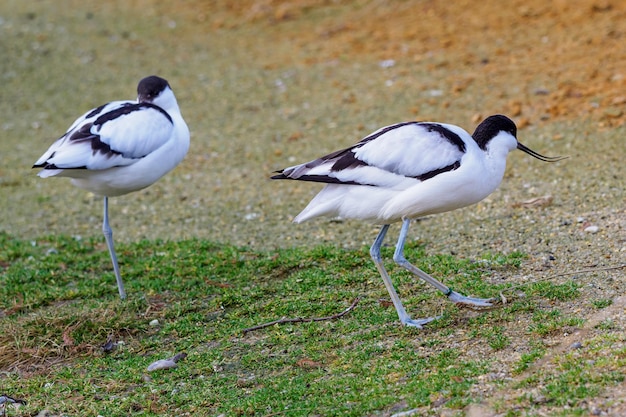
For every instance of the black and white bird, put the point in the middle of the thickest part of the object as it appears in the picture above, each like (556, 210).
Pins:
(409, 170)
(121, 147)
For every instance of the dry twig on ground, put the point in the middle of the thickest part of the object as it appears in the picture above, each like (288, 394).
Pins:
(303, 320)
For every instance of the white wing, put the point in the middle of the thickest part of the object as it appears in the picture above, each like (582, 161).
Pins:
(88, 117)
(115, 134)
(395, 156)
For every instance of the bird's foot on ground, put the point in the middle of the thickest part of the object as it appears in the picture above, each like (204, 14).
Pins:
(471, 302)
(417, 323)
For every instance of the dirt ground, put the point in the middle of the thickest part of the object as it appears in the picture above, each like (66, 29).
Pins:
(265, 84)
(562, 59)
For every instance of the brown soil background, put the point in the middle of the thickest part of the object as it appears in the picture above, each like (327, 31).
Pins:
(558, 59)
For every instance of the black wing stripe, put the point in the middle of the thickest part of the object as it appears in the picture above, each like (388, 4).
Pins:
(332, 180)
(435, 172)
(452, 137)
(52, 166)
(317, 178)
(127, 109)
(96, 111)
(382, 132)
(346, 161)
(97, 146)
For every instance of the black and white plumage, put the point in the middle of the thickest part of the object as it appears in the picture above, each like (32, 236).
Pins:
(409, 170)
(121, 147)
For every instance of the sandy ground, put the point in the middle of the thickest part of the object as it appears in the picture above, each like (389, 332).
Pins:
(266, 84)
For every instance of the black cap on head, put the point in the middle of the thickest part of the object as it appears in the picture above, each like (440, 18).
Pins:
(490, 127)
(150, 87)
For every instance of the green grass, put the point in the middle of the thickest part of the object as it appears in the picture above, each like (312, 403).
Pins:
(576, 375)
(60, 305)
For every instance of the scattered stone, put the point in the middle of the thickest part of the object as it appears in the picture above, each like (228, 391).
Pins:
(166, 363)
(251, 216)
(591, 229)
(595, 411)
(154, 323)
(162, 364)
(575, 345)
(7, 400)
(109, 346)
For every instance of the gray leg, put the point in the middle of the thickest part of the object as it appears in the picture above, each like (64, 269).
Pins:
(454, 296)
(375, 254)
(108, 235)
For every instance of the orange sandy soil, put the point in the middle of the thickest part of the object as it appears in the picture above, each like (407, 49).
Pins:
(567, 58)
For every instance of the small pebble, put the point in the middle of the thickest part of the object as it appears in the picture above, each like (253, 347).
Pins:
(162, 364)
(166, 363)
(251, 216)
(576, 345)
(591, 229)
(109, 346)
(154, 323)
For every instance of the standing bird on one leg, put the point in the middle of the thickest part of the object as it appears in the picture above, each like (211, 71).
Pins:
(121, 147)
(409, 170)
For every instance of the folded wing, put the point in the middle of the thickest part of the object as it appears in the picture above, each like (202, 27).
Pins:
(395, 156)
(115, 134)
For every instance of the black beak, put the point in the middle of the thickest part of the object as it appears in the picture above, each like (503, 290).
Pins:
(538, 155)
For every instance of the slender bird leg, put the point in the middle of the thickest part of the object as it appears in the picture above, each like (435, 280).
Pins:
(454, 296)
(108, 235)
(375, 254)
